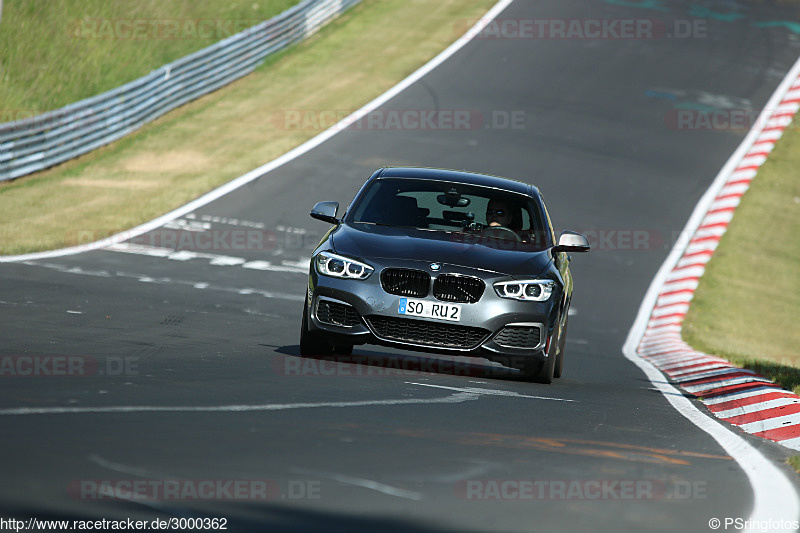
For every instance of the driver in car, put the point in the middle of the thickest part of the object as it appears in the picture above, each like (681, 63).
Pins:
(498, 213)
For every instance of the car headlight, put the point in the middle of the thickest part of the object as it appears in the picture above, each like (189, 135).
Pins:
(338, 266)
(537, 290)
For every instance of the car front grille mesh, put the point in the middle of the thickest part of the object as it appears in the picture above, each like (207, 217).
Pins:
(519, 337)
(463, 289)
(426, 333)
(406, 282)
(337, 314)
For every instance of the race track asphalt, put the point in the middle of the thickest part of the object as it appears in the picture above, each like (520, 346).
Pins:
(194, 367)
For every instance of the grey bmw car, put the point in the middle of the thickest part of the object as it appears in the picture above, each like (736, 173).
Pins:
(442, 261)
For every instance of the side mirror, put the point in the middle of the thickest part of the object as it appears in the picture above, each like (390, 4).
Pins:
(570, 241)
(326, 212)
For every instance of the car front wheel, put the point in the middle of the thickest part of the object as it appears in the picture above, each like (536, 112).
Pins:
(562, 338)
(311, 343)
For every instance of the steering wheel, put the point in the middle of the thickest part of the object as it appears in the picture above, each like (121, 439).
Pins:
(500, 232)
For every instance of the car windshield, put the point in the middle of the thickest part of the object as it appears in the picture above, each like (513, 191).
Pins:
(451, 207)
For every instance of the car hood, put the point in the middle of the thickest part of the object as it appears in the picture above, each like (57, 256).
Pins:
(384, 242)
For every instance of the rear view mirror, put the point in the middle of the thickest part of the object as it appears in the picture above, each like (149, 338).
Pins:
(570, 241)
(453, 199)
(326, 211)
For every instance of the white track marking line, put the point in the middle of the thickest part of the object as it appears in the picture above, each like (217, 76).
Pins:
(768, 424)
(125, 469)
(22, 411)
(756, 407)
(200, 285)
(490, 392)
(282, 160)
(775, 496)
(363, 483)
(298, 267)
(742, 395)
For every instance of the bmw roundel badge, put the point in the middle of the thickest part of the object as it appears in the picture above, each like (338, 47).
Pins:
(436, 266)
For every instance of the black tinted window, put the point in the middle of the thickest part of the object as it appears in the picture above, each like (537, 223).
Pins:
(453, 207)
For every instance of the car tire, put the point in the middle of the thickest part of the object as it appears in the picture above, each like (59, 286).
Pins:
(537, 371)
(545, 372)
(343, 349)
(562, 340)
(312, 344)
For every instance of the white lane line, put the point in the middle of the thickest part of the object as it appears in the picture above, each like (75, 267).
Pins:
(200, 285)
(742, 395)
(21, 411)
(363, 483)
(715, 373)
(775, 496)
(756, 407)
(192, 218)
(490, 392)
(768, 424)
(299, 267)
(125, 469)
(713, 385)
(285, 158)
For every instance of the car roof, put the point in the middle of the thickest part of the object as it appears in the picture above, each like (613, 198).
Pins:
(459, 176)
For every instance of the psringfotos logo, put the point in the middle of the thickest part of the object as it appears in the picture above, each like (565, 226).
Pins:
(743, 524)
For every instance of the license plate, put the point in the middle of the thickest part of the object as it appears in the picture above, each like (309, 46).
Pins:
(427, 309)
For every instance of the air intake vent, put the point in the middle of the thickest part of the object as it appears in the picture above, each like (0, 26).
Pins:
(337, 314)
(525, 337)
(426, 333)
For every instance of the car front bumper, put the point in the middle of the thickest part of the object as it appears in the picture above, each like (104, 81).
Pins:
(356, 312)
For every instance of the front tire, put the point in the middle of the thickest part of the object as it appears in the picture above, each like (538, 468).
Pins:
(562, 340)
(538, 371)
(343, 349)
(312, 344)
(545, 372)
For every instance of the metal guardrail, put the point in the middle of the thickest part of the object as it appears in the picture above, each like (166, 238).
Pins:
(36, 143)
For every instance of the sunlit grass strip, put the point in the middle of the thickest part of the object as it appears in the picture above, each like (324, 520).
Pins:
(747, 305)
(224, 135)
(56, 52)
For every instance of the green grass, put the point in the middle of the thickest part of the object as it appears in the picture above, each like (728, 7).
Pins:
(794, 462)
(748, 303)
(55, 52)
(221, 136)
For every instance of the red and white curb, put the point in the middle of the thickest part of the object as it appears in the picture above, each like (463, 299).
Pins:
(735, 395)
